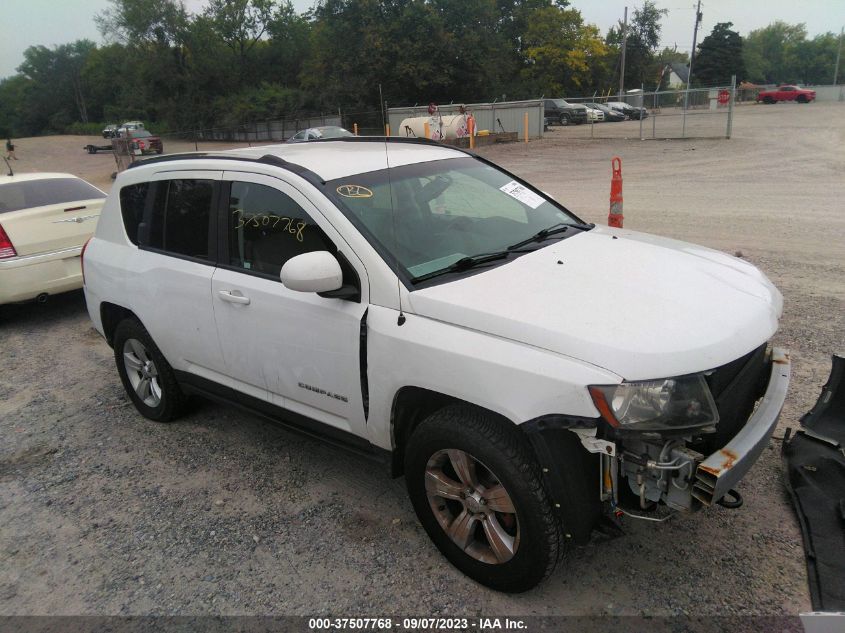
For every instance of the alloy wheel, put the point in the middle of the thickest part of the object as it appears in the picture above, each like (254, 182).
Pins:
(472, 506)
(142, 372)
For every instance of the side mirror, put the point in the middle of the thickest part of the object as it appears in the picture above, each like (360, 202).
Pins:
(318, 271)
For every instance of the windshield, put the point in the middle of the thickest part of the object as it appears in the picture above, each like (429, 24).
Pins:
(334, 132)
(560, 103)
(140, 133)
(427, 216)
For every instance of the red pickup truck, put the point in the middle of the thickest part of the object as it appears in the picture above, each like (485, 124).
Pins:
(787, 93)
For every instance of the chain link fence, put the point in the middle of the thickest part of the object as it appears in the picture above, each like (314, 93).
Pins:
(666, 114)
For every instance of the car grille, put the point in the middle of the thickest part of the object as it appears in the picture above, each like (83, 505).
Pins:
(736, 387)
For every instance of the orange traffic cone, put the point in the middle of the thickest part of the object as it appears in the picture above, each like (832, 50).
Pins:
(614, 218)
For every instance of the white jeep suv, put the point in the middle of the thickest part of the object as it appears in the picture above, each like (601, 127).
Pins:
(529, 374)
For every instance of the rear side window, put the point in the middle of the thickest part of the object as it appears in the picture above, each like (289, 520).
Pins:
(38, 193)
(132, 201)
(267, 228)
(180, 217)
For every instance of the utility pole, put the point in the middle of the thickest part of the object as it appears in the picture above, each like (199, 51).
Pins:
(689, 73)
(694, 38)
(624, 45)
(838, 55)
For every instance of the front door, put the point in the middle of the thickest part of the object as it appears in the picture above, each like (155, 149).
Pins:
(293, 349)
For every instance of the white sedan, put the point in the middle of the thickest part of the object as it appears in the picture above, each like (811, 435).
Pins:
(594, 115)
(45, 219)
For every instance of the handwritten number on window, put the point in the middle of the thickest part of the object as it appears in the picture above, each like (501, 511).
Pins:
(290, 225)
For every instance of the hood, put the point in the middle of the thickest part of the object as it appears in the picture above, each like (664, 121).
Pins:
(638, 305)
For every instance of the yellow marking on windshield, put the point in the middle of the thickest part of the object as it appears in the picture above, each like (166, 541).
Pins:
(354, 191)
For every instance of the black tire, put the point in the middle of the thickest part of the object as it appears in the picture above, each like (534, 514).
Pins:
(499, 449)
(769, 100)
(801, 99)
(171, 400)
(91, 149)
(563, 119)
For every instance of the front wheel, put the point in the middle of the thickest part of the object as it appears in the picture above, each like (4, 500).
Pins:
(564, 119)
(476, 488)
(146, 376)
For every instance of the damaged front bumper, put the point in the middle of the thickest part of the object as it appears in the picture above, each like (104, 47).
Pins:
(670, 471)
(721, 471)
(644, 472)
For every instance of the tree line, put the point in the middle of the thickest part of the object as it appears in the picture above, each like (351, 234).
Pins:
(240, 61)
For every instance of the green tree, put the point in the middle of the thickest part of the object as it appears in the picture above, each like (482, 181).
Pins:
(240, 24)
(770, 53)
(561, 51)
(13, 100)
(641, 64)
(719, 56)
(57, 94)
(136, 21)
(813, 61)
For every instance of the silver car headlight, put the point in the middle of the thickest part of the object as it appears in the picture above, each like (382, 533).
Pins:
(668, 404)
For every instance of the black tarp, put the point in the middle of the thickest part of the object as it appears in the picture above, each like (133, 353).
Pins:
(815, 465)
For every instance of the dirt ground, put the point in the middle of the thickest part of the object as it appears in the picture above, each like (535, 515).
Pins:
(103, 512)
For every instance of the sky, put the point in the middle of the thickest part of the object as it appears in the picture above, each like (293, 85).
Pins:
(51, 22)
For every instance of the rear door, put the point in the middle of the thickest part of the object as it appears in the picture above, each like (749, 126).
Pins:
(170, 288)
(49, 214)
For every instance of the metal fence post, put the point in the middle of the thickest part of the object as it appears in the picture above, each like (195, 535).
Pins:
(654, 117)
(642, 105)
(731, 107)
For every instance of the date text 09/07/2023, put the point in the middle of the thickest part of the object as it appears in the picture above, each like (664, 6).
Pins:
(417, 624)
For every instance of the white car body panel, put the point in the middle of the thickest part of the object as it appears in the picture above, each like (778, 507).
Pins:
(517, 381)
(639, 306)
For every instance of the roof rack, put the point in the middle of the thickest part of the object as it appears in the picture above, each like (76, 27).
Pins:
(267, 159)
(307, 174)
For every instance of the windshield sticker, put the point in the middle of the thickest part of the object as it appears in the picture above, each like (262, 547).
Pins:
(354, 191)
(522, 193)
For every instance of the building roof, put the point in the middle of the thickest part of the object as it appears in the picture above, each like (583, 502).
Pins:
(681, 70)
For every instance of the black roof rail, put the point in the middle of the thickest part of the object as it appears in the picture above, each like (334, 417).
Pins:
(304, 172)
(267, 159)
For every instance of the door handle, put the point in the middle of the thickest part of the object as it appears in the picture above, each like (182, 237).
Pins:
(231, 297)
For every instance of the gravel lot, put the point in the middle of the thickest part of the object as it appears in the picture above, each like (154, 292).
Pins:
(103, 512)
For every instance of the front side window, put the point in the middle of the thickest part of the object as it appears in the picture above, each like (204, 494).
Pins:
(180, 217)
(427, 216)
(267, 227)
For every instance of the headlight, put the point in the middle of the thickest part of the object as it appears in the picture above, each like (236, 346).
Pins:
(670, 404)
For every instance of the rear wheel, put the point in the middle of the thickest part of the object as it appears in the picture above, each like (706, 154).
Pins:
(768, 100)
(146, 376)
(564, 119)
(477, 490)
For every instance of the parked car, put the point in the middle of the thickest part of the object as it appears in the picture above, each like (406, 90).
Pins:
(632, 112)
(609, 113)
(110, 131)
(320, 133)
(427, 308)
(146, 142)
(594, 115)
(129, 126)
(563, 112)
(787, 93)
(44, 221)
